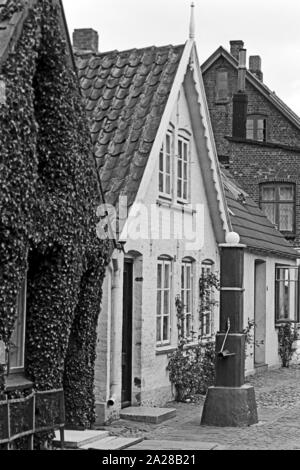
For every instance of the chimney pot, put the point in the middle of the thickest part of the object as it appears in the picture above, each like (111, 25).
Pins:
(255, 66)
(86, 39)
(235, 47)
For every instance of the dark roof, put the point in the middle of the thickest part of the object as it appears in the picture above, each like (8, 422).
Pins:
(258, 84)
(250, 222)
(125, 95)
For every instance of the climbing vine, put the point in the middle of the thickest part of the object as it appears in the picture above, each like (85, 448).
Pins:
(48, 203)
(192, 366)
(286, 338)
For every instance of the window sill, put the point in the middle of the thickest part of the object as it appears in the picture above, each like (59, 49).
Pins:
(279, 323)
(160, 351)
(177, 206)
(17, 382)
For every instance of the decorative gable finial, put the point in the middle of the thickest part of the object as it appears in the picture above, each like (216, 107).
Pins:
(192, 23)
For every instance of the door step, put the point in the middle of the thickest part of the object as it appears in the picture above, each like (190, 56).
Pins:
(113, 443)
(78, 439)
(148, 415)
(261, 368)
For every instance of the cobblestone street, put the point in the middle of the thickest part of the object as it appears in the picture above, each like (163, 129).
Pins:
(278, 401)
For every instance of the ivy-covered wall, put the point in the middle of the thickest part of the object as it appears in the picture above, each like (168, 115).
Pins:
(48, 200)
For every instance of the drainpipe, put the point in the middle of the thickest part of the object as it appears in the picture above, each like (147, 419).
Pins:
(116, 327)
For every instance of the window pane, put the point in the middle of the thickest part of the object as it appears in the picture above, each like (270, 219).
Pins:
(286, 216)
(222, 85)
(165, 328)
(166, 302)
(268, 193)
(161, 182)
(182, 277)
(261, 130)
(286, 193)
(159, 312)
(179, 169)
(168, 164)
(159, 276)
(161, 161)
(167, 275)
(158, 329)
(185, 153)
(168, 184)
(188, 302)
(188, 325)
(250, 129)
(168, 144)
(188, 276)
(185, 190)
(179, 188)
(270, 211)
(180, 149)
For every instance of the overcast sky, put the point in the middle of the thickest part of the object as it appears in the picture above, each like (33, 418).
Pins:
(269, 28)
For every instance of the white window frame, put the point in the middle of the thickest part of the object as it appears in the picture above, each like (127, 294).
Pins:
(207, 327)
(185, 290)
(183, 163)
(286, 293)
(19, 324)
(160, 294)
(162, 169)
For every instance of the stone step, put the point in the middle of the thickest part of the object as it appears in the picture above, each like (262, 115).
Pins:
(78, 439)
(113, 443)
(148, 415)
(176, 445)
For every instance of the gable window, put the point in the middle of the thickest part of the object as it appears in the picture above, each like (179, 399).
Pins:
(187, 297)
(163, 309)
(165, 166)
(286, 293)
(257, 128)
(206, 300)
(222, 90)
(182, 169)
(174, 166)
(277, 200)
(16, 354)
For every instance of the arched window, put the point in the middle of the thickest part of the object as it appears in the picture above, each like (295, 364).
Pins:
(187, 297)
(164, 304)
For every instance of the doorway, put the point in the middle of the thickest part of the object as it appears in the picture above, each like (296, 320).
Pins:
(127, 335)
(260, 289)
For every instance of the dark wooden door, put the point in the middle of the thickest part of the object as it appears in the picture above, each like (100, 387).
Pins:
(127, 335)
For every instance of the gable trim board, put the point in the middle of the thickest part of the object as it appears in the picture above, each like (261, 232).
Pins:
(190, 54)
(260, 86)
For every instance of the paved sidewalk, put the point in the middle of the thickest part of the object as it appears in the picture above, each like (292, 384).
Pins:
(278, 400)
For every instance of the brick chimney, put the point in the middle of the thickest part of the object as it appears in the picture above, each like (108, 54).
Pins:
(235, 47)
(255, 66)
(240, 101)
(86, 40)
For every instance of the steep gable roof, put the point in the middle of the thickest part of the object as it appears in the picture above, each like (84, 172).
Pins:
(251, 78)
(125, 95)
(129, 98)
(251, 224)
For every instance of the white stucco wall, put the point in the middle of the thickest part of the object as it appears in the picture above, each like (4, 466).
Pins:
(271, 339)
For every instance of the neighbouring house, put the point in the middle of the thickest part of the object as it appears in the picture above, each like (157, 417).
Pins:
(270, 276)
(51, 262)
(161, 178)
(257, 135)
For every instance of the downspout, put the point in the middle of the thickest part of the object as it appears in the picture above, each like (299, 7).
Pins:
(116, 324)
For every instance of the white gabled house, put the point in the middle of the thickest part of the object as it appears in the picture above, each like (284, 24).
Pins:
(154, 144)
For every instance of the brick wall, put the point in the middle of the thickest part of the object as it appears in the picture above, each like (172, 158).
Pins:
(253, 164)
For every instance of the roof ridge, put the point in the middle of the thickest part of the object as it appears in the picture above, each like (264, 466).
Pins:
(79, 53)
